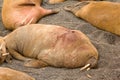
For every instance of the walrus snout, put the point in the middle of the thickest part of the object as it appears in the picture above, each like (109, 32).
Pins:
(91, 63)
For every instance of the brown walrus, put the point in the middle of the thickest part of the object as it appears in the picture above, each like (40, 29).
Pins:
(50, 45)
(59, 1)
(17, 13)
(101, 14)
(10, 74)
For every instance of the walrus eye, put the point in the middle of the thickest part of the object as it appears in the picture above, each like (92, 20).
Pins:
(29, 4)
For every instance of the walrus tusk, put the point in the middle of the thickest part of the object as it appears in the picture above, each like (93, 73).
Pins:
(23, 21)
(86, 66)
(1, 46)
(89, 76)
(30, 21)
(5, 54)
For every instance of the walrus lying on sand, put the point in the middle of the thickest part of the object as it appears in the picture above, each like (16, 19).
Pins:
(104, 15)
(17, 13)
(10, 74)
(59, 1)
(43, 45)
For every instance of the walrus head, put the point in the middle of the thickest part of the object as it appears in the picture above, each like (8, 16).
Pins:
(4, 56)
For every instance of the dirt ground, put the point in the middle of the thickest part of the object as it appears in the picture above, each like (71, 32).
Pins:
(107, 44)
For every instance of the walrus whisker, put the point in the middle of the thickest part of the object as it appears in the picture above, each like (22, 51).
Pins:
(84, 67)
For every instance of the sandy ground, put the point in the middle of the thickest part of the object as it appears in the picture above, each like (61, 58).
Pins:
(107, 44)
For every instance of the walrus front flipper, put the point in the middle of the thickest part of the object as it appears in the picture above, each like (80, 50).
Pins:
(17, 55)
(35, 63)
(74, 8)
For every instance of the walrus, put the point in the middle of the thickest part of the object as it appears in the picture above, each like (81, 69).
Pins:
(11, 74)
(41, 45)
(16, 13)
(59, 1)
(102, 14)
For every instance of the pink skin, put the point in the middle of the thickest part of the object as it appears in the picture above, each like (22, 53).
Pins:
(22, 12)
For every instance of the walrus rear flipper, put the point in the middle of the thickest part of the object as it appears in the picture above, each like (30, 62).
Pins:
(74, 8)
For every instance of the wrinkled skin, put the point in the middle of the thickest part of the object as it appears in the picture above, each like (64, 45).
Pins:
(10, 74)
(103, 15)
(16, 13)
(51, 45)
(59, 1)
